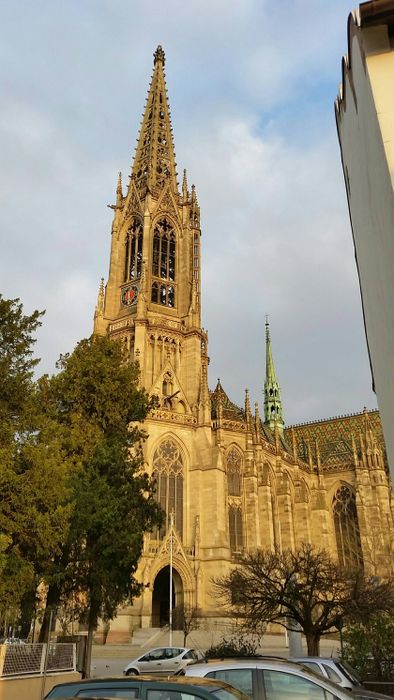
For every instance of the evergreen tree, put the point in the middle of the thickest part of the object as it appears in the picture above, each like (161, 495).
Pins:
(96, 401)
(26, 505)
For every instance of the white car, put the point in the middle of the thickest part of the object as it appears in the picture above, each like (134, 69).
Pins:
(330, 667)
(274, 679)
(161, 661)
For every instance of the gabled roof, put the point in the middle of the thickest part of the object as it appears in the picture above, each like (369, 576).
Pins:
(230, 410)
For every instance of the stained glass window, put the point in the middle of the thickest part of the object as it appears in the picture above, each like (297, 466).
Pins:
(347, 529)
(168, 473)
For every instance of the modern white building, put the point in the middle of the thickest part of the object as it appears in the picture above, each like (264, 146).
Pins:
(365, 121)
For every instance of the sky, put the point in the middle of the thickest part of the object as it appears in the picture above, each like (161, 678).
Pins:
(251, 85)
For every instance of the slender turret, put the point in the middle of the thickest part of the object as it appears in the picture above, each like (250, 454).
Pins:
(273, 414)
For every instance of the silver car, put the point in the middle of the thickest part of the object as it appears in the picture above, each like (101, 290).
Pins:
(274, 679)
(161, 661)
(330, 667)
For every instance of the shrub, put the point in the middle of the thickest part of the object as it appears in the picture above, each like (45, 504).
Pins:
(236, 645)
(369, 647)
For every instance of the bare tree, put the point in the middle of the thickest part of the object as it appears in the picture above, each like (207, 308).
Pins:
(306, 587)
(187, 619)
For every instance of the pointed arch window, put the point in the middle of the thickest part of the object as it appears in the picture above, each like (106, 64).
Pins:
(133, 251)
(235, 519)
(234, 472)
(347, 531)
(168, 474)
(164, 263)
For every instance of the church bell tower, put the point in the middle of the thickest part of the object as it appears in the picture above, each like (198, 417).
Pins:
(152, 300)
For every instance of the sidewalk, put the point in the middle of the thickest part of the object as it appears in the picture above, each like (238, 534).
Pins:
(272, 644)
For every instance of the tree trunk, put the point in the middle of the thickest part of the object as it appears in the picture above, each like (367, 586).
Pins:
(52, 601)
(313, 643)
(92, 624)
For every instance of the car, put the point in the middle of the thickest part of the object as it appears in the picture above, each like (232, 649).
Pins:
(333, 668)
(267, 678)
(13, 640)
(146, 688)
(162, 660)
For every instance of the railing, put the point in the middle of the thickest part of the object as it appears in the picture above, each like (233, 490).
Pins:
(36, 659)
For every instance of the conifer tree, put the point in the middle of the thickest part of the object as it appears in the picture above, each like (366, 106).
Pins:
(96, 401)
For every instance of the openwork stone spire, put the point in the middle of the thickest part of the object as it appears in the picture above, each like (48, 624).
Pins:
(154, 162)
(273, 414)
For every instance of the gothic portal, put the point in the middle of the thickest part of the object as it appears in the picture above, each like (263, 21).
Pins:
(232, 480)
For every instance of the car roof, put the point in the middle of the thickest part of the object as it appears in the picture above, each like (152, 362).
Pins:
(168, 646)
(247, 661)
(200, 681)
(314, 658)
(269, 664)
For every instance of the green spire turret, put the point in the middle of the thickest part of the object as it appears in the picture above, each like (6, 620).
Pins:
(273, 414)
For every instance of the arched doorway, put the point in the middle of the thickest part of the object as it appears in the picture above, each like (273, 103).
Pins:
(161, 596)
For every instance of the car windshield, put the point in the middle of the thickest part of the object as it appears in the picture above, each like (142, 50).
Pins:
(318, 677)
(349, 672)
(224, 694)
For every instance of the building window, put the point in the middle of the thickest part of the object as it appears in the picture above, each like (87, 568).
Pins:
(347, 531)
(168, 474)
(235, 522)
(133, 251)
(234, 472)
(164, 263)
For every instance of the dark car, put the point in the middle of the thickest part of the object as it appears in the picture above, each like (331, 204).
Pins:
(147, 688)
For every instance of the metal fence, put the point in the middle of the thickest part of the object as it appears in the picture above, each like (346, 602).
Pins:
(36, 659)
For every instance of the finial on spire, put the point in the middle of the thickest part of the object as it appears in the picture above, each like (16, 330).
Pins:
(119, 185)
(119, 192)
(100, 298)
(294, 444)
(247, 406)
(159, 55)
(185, 192)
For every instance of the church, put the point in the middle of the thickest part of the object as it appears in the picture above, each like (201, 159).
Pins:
(229, 478)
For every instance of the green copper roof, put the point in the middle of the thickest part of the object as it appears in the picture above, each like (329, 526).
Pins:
(273, 413)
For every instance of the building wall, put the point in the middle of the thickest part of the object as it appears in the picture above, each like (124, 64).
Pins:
(365, 121)
(245, 483)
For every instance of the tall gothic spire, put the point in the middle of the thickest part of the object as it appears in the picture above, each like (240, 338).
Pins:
(154, 162)
(273, 414)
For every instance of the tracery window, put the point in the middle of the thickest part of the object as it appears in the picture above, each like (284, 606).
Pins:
(234, 490)
(234, 475)
(168, 473)
(236, 528)
(347, 531)
(164, 263)
(133, 251)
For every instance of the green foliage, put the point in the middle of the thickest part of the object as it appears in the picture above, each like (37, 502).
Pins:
(369, 647)
(16, 370)
(238, 645)
(94, 399)
(75, 497)
(31, 474)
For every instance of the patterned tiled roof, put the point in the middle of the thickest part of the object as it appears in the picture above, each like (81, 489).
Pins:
(230, 410)
(334, 438)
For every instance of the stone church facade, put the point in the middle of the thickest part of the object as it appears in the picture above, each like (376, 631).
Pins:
(228, 479)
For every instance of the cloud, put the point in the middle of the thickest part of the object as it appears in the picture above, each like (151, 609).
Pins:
(251, 88)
